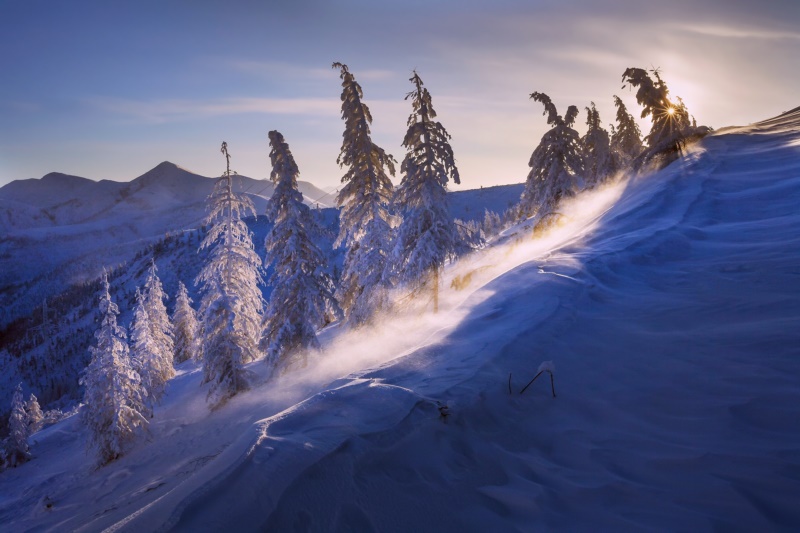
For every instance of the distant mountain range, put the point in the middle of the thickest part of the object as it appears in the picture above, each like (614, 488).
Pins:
(166, 197)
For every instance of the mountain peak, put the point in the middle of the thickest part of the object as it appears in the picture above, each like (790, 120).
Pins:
(165, 172)
(61, 178)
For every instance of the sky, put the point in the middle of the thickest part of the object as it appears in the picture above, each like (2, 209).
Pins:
(107, 90)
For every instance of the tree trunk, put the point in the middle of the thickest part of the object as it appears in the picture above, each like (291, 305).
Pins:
(435, 288)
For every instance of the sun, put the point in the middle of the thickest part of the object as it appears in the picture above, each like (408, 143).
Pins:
(671, 111)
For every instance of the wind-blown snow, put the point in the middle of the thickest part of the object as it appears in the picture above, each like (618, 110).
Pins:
(669, 305)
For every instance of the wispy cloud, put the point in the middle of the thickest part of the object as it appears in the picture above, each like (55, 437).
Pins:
(732, 32)
(173, 110)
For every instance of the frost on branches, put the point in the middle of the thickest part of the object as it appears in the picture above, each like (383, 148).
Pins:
(17, 448)
(114, 399)
(365, 225)
(153, 348)
(626, 140)
(671, 124)
(232, 305)
(185, 327)
(426, 237)
(144, 355)
(160, 326)
(302, 296)
(598, 159)
(556, 164)
(35, 415)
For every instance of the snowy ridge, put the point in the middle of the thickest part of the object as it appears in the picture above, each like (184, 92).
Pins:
(668, 305)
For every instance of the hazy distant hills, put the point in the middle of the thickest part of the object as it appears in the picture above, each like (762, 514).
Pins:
(167, 196)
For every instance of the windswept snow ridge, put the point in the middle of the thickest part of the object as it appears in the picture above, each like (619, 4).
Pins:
(669, 305)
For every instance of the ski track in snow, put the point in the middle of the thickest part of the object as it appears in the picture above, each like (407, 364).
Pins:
(672, 320)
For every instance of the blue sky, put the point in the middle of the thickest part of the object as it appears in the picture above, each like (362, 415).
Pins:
(107, 90)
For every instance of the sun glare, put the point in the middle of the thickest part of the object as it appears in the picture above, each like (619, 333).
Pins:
(671, 111)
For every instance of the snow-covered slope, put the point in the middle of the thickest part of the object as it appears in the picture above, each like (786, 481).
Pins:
(667, 303)
(62, 229)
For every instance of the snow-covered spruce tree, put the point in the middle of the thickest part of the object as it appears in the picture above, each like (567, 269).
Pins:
(556, 164)
(114, 399)
(427, 236)
(365, 225)
(161, 329)
(671, 123)
(18, 431)
(186, 328)
(144, 355)
(232, 304)
(302, 292)
(35, 415)
(598, 160)
(626, 141)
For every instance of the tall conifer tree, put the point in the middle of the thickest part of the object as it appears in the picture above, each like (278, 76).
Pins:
(626, 141)
(232, 304)
(18, 430)
(556, 163)
(186, 327)
(426, 237)
(598, 161)
(114, 399)
(302, 292)
(671, 122)
(365, 225)
(161, 330)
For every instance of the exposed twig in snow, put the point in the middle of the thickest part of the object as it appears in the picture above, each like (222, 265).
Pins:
(546, 366)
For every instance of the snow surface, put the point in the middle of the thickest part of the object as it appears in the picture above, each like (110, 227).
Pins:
(669, 305)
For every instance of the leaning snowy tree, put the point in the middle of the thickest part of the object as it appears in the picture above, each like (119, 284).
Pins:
(427, 236)
(626, 140)
(598, 160)
(186, 328)
(556, 164)
(18, 431)
(113, 397)
(671, 124)
(365, 225)
(302, 297)
(232, 304)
